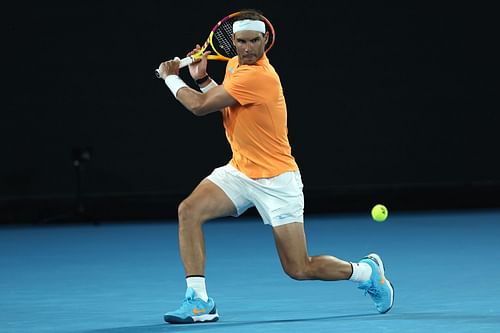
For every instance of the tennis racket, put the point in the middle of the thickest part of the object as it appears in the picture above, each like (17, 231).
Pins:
(220, 42)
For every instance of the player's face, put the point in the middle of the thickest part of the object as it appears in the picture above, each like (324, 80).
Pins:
(250, 46)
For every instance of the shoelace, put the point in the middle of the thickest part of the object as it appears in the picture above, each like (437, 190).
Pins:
(186, 303)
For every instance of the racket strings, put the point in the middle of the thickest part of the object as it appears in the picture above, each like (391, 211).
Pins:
(223, 38)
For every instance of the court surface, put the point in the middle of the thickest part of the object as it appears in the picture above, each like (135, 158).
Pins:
(121, 278)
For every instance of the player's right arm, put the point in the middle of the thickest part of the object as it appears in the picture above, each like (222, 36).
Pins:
(200, 104)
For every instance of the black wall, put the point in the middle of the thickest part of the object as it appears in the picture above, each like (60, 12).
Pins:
(385, 103)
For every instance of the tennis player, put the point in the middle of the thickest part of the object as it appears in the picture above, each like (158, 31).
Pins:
(262, 173)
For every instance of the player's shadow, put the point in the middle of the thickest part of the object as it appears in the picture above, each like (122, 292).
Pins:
(253, 325)
(219, 326)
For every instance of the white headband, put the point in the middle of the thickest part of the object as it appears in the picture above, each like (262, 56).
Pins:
(249, 25)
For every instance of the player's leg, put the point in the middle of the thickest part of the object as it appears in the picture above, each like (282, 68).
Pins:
(206, 202)
(291, 244)
(220, 194)
(369, 272)
(280, 202)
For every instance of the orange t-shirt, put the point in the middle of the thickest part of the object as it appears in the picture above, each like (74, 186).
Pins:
(256, 128)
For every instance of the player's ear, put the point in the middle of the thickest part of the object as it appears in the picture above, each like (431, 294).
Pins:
(266, 37)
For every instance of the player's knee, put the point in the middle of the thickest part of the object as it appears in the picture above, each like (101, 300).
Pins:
(187, 213)
(297, 272)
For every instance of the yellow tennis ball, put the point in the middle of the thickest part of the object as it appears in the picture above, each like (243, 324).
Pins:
(379, 213)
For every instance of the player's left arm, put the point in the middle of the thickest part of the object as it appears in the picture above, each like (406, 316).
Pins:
(200, 104)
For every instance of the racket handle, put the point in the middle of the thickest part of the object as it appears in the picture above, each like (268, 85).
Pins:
(186, 61)
(183, 63)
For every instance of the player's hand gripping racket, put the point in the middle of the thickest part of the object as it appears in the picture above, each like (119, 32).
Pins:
(221, 43)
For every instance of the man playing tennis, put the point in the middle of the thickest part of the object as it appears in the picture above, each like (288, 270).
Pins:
(262, 173)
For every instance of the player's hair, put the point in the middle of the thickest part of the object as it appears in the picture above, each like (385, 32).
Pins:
(249, 14)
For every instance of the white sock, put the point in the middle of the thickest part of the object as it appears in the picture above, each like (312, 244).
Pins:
(361, 272)
(198, 284)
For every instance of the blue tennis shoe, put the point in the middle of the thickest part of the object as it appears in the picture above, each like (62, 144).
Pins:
(193, 310)
(378, 287)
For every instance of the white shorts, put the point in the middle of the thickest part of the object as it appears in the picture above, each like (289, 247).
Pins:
(279, 200)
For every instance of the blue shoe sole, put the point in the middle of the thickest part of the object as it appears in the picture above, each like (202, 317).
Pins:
(189, 320)
(392, 302)
(204, 318)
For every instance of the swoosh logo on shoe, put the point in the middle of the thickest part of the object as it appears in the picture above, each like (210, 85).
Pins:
(196, 311)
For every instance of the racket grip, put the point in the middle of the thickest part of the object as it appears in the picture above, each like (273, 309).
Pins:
(186, 61)
(183, 63)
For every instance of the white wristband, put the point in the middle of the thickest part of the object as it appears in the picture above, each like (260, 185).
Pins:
(174, 83)
(209, 86)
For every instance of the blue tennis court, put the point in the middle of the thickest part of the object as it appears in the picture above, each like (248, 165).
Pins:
(122, 277)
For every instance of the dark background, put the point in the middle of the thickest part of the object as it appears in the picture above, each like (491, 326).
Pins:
(386, 103)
